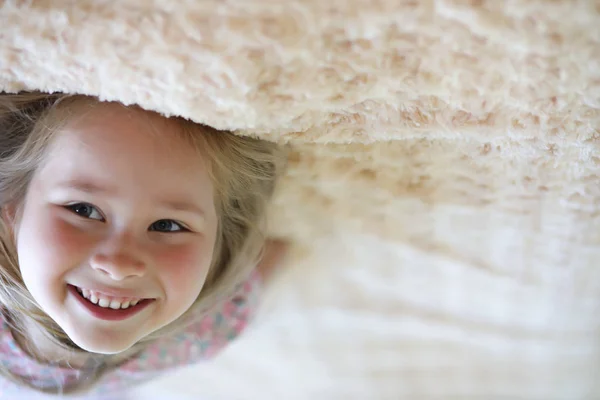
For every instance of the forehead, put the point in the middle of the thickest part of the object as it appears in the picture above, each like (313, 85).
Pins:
(104, 124)
(108, 141)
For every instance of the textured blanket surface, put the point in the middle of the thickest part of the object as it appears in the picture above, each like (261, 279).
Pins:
(443, 188)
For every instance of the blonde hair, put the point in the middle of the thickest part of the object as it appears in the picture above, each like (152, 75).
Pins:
(243, 170)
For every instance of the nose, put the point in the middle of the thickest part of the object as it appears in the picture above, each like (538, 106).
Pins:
(119, 262)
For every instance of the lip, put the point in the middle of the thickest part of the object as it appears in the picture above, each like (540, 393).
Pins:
(109, 314)
(111, 292)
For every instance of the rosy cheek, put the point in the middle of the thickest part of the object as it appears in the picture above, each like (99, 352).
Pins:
(67, 239)
(50, 236)
(183, 266)
(48, 249)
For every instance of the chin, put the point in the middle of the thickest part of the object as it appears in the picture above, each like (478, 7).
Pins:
(105, 346)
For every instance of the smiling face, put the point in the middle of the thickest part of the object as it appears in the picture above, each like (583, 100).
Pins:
(121, 213)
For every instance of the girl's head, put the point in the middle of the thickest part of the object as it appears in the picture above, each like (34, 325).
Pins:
(122, 205)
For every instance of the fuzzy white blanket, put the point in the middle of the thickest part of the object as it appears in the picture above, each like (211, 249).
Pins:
(444, 190)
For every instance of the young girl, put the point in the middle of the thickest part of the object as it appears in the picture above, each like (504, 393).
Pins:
(127, 241)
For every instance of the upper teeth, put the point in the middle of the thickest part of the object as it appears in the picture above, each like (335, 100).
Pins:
(107, 302)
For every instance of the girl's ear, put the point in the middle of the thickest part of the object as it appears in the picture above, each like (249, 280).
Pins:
(9, 216)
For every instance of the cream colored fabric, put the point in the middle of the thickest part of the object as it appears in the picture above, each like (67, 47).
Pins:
(443, 191)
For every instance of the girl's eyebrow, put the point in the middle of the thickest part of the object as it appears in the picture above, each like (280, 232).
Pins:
(84, 186)
(183, 206)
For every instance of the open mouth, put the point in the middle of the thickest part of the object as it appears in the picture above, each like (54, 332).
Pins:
(108, 307)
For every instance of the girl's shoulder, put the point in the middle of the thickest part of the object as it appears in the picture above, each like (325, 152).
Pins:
(10, 352)
(212, 331)
(17, 362)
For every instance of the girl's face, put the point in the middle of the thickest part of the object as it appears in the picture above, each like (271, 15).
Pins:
(120, 214)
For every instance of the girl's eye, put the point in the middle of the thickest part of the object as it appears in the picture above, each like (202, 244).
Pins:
(167, 225)
(85, 210)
